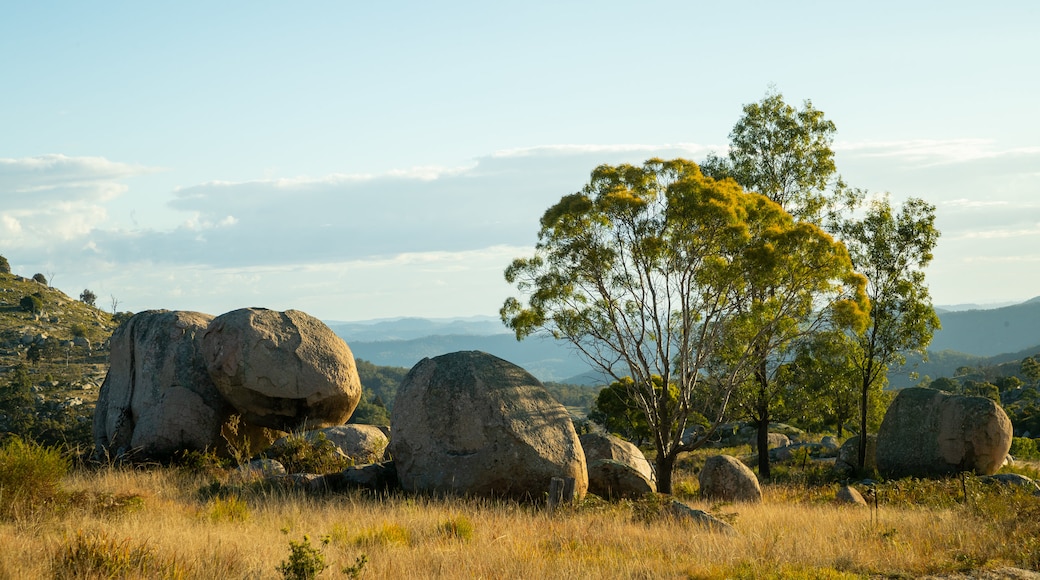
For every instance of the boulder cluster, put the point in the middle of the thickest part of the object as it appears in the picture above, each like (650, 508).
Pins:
(464, 423)
(190, 381)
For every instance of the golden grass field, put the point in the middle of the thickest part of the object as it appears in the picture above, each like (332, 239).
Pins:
(167, 522)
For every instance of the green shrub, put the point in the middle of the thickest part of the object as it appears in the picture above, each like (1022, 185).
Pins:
(457, 528)
(30, 477)
(1024, 448)
(31, 304)
(5, 266)
(305, 561)
(97, 556)
(40, 278)
(299, 454)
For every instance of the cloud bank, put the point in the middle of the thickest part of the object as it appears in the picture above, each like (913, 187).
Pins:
(434, 241)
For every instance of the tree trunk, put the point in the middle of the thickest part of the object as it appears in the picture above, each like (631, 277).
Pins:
(763, 446)
(664, 464)
(861, 453)
(762, 409)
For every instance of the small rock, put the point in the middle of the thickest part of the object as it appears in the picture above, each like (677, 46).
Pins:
(703, 519)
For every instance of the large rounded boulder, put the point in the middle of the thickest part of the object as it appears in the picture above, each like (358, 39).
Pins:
(282, 370)
(927, 432)
(725, 478)
(473, 424)
(158, 398)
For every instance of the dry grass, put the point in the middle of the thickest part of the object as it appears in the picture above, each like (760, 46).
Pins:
(155, 523)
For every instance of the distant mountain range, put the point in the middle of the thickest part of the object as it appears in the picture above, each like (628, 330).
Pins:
(969, 337)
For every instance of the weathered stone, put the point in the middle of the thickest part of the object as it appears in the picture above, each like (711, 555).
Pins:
(374, 476)
(774, 440)
(679, 510)
(471, 423)
(261, 468)
(613, 480)
(157, 397)
(1013, 479)
(927, 432)
(282, 370)
(360, 443)
(604, 446)
(848, 455)
(830, 443)
(725, 478)
(851, 496)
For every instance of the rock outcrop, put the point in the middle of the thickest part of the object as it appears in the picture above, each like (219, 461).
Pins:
(725, 478)
(158, 397)
(473, 424)
(281, 370)
(927, 432)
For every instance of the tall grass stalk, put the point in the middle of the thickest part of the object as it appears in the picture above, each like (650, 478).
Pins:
(794, 532)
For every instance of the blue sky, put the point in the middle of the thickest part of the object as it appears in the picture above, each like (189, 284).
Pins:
(369, 160)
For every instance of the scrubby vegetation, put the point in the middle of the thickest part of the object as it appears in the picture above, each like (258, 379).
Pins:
(122, 523)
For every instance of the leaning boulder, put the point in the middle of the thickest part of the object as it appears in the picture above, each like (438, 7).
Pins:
(473, 424)
(603, 446)
(927, 432)
(725, 478)
(282, 370)
(157, 397)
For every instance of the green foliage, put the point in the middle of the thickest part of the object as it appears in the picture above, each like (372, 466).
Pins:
(299, 454)
(381, 381)
(17, 404)
(784, 154)
(96, 555)
(229, 508)
(305, 561)
(1024, 448)
(31, 304)
(456, 528)
(355, 570)
(1030, 368)
(568, 395)
(30, 477)
(370, 410)
(892, 249)
(40, 278)
(5, 266)
(88, 297)
(658, 270)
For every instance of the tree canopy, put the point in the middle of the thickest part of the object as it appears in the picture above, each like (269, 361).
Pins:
(648, 271)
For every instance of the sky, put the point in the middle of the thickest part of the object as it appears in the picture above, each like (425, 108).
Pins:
(375, 160)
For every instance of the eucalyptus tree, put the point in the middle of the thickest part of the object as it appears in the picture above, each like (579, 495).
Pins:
(785, 154)
(646, 272)
(891, 248)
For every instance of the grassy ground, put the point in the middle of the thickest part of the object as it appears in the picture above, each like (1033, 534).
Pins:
(166, 522)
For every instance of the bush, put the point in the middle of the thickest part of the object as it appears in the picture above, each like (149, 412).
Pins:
(305, 561)
(5, 266)
(457, 528)
(302, 455)
(31, 304)
(88, 297)
(30, 477)
(1024, 448)
(40, 278)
